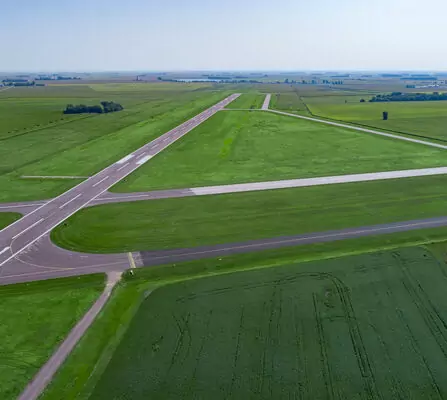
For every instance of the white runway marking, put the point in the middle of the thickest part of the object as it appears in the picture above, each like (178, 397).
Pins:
(27, 229)
(69, 201)
(144, 159)
(125, 159)
(124, 166)
(4, 250)
(52, 177)
(102, 180)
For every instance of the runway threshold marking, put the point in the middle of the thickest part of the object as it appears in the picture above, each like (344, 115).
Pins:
(102, 180)
(131, 260)
(4, 250)
(144, 159)
(69, 201)
(27, 229)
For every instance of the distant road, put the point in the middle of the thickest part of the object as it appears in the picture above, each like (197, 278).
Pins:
(21, 234)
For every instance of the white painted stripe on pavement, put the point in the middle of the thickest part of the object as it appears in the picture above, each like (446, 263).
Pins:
(144, 159)
(5, 249)
(124, 166)
(125, 159)
(102, 180)
(69, 201)
(22, 205)
(27, 229)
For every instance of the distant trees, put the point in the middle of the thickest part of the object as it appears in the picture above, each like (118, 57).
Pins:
(398, 96)
(105, 107)
(362, 100)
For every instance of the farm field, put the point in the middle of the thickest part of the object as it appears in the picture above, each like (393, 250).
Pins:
(339, 328)
(84, 145)
(248, 100)
(251, 146)
(426, 118)
(7, 218)
(207, 220)
(36, 317)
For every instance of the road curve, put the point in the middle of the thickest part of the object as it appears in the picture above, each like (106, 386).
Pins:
(18, 236)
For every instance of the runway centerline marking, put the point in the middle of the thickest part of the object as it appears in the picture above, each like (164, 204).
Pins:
(27, 229)
(124, 166)
(5, 249)
(102, 180)
(69, 201)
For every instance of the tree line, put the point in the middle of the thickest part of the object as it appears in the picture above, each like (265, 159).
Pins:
(104, 107)
(398, 96)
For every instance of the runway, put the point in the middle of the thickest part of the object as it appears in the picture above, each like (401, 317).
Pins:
(17, 237)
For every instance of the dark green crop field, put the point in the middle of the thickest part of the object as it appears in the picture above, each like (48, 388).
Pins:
(38, 143)
(250, 146)
(206, 220)
(35, 319)
(370, 326)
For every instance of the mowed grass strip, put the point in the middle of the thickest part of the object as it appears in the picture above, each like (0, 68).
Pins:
(248, 100)
(340, 326)
(244, 146)
(422, 118)
(7, 218)
(35, 319)
(207, 220)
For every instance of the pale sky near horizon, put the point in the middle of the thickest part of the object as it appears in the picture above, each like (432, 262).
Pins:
(112, 35)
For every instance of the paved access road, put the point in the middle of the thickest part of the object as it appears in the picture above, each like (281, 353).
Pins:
(20, 235)
(265, 105)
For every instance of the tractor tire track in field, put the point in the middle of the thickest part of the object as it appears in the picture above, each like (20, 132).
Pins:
(327, 374)
(236, 353)
(429, 313)
(300, 361)
(417, 350)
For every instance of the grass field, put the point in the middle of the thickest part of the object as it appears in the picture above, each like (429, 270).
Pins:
(37, 144)
(427, 119)
(290, 102)
(194, 221)
(370, 326)
(244, 146)
(7, 218)
(36, 317)
(248, 100)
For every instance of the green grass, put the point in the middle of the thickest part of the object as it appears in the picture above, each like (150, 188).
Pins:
(290, 102)
(427, 119)
(248, 100)
(340, 326)
(36, 317)
(7, 218)
(207, 220)
(245, 146)
(34, 145)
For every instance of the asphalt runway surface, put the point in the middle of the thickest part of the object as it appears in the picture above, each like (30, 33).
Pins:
(265, 105)
(18, 236)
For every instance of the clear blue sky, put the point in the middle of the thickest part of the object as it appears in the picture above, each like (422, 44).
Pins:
(55, 35)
